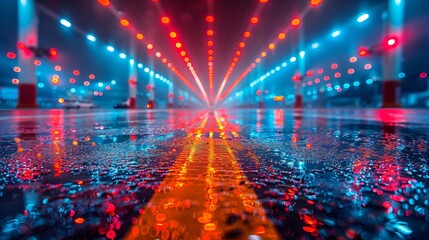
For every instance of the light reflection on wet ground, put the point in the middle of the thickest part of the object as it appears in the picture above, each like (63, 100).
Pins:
(270, 174)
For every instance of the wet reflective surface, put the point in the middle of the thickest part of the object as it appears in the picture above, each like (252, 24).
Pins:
(235, 174)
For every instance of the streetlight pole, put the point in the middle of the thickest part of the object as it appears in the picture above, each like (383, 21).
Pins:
(392, 59)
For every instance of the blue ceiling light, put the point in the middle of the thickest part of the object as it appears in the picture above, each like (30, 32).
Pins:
(122, 55)
(110, 48)
(336, 33)
(315, 45)
(91, 37)
(362, 18)
(65, 23)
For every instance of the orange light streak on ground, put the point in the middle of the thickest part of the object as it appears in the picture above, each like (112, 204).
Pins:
(204, 186)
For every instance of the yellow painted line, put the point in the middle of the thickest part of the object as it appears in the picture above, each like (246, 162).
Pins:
(203, 189)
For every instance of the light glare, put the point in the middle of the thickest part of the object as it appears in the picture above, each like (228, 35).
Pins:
(363, 17)
(65, 23)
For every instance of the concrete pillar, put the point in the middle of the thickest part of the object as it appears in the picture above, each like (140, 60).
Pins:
(27, 35)
(132, 84)
(393, 57)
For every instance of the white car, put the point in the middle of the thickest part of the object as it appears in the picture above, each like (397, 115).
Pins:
(77, 104)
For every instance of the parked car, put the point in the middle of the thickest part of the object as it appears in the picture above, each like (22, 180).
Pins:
(122, 105)
(77, 104)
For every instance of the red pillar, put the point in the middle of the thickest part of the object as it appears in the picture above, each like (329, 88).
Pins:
(132, 83)
(299, 102)
(170, 95)
(27, 34)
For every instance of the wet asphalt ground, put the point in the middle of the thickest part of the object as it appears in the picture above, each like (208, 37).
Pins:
(225, 174)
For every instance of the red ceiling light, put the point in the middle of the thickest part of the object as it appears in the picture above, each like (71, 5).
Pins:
(182, 53)
(149, 46)
(295, 22)
(254, 20)
(271, 46)
(363, 52)
(281, 36)
(21, 45)
(210, 43)
(173, 34)
(165, 20)
(210, 32)
(315, 2)
(104, 3)
(391, 42)
(209, 19)
(241, 44)
(246, 34)
(178, 45)
(11, 55)
(124, 22)
(76, 72)
(53, 52)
